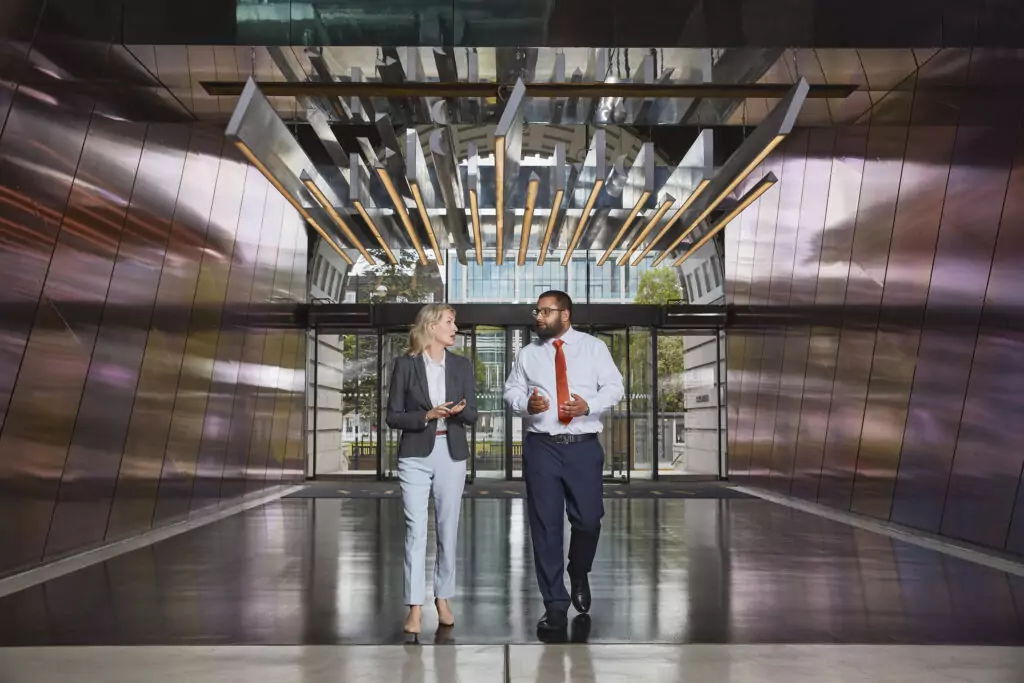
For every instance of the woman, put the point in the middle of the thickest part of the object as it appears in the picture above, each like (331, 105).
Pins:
(432, 400)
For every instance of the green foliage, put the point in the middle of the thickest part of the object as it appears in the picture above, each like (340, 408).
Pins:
(658, 287)
(407, 281)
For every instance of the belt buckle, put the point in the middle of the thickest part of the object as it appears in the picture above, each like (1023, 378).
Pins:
(563, 438)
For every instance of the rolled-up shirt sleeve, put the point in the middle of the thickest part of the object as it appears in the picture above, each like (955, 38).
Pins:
(517, 391)
(610, 389)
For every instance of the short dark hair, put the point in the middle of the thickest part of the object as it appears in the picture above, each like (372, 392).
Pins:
(563, 299)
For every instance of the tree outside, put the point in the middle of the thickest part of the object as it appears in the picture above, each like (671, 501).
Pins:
(659, 287)
(407, 281)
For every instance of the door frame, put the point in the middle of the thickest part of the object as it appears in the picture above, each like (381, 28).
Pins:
(393, 318)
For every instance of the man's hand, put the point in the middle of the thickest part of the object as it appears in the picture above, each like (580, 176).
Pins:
(457, 408)
(574, 407)
(537, 404)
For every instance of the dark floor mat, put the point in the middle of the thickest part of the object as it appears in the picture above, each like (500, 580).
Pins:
(516, 489)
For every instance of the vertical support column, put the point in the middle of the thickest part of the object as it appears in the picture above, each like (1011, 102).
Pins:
(507, 432)
(656, 410)
(316, 396)
(629, 410)
(380, 405)
(472, 432)
(723, 465)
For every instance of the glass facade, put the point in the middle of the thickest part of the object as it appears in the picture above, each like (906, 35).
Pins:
(410, 282)
(665, 425)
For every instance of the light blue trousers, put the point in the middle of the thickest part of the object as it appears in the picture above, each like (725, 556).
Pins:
(447, 479)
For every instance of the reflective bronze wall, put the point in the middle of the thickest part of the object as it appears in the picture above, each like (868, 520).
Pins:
(913, 226)
(130, 395)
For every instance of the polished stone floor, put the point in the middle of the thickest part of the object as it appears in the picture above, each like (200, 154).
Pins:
(329, 571)
(518, 664)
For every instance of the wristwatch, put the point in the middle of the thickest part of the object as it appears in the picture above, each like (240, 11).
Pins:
(588, 411)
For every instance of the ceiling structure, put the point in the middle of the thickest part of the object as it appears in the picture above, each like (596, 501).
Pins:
(871, 75)
(518, 153)
(505, 163)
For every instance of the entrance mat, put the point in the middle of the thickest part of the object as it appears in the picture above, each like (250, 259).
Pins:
(517, 489)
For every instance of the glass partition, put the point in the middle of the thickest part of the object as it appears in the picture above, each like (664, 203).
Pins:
(670, 421)
(689, 407)
(343, 390)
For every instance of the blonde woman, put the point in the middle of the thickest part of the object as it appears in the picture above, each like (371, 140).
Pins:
(432, 401)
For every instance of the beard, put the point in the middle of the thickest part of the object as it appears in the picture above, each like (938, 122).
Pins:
(550, 330)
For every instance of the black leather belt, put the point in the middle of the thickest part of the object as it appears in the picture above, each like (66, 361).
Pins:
(564, 438)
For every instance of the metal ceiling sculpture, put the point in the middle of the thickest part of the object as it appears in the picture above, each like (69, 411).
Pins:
(383, 194)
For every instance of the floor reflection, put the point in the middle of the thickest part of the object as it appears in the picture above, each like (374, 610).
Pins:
(323, 571)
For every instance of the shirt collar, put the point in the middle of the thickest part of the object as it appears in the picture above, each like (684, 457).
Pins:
(430, 361)
(569, 337)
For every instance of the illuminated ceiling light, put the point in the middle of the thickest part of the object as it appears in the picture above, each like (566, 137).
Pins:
(499, 189)
(549, 231)
(722, 195)
(668, 226)
(474, 211)
(531, 203)
(291, 200)
(666, 204)
(762, 186)
(426, 221)
(403, 213)
(336, 217)
(625, 227)
(583, 220)
(373, 228)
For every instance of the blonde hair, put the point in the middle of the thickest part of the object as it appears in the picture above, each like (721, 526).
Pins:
(420, 336)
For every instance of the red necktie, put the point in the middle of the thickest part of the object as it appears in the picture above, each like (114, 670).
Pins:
(561, 381)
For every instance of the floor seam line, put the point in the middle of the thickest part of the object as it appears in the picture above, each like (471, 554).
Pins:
(73, 563)
(910, 536)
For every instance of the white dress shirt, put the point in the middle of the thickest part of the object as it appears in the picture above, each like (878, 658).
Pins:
(591, 373)
(436, 384)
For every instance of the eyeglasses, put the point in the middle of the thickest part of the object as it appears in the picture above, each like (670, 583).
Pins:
(538, 312)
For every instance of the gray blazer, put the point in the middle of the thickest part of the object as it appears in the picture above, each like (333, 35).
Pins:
(409, 402)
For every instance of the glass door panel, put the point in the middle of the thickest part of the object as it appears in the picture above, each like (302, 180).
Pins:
(392, 345)
(518, 337)
(343, 412)
(616, 438)
(641, 407)
(688, 405)
(491, 363)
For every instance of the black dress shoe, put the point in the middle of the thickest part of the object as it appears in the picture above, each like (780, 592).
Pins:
(553, 620)
(580, 592)
(580, 628)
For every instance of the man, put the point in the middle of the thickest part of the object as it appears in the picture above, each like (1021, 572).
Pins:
(560, 385)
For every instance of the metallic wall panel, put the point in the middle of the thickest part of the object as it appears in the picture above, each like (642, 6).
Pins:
(743, 380)
(40, 149)
(148, 430)
(127, 250)
(289, 400)
(870, 231)
(813, 201)
(791, 365)
(915, 231)
(833, 268)
(770, 357)
(47, 395)
(983, 486)
(90, 473)
(260, 346)
(240, 194)
(963, 256)
(291, 444)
